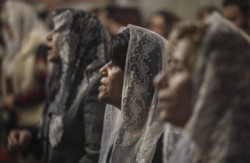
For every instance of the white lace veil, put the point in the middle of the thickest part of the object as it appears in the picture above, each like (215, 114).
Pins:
(133, 132)
(219, 125)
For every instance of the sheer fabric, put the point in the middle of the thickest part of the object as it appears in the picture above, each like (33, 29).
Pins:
(82, 54)
(133, 132)
(171, 137)
(219, 125)
(23, 22)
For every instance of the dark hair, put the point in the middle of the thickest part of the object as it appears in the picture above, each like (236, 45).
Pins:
(124, 15)
(194, 32)
(118, 48)
(244, 5)
(169, 17)
(208, 9)
(170, 20)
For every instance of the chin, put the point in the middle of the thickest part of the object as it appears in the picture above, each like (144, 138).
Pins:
(102, 98)
(164, 116)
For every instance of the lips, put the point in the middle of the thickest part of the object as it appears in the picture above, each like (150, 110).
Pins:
(103, 81)
(102, 85)
(163, 101)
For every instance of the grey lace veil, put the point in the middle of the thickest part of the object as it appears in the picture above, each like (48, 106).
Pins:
(82, 44)
(133, 132)
(220, 123)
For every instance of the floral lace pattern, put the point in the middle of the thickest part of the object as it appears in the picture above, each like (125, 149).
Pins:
(134, 135)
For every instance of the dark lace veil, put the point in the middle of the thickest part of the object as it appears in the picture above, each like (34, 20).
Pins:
(219, 125)
(82, 45)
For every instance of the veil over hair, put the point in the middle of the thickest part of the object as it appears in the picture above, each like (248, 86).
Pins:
(131, 135)
(219, 125)
(23, 22)
(82, 44)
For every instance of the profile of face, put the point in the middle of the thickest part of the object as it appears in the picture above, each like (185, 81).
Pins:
(174, 85)
(233, 13)
(204, 16)
(110, 90)
(158, 25)
(53, 53)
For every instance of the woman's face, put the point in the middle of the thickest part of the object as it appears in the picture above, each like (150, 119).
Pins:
(53, 53)
(175, 87)
(158, 25)
(110, 90)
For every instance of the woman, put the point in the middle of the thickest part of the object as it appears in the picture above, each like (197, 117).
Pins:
(73, 117)
(175, 84)
(218, 128)
(24, 67)
(131, 130)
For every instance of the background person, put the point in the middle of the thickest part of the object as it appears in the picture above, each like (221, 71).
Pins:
(219, 94)
(73, 116)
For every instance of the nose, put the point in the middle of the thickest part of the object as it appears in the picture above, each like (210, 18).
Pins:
(161, 80)
(103, 70)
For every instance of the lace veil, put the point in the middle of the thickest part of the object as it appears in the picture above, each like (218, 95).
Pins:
(82, 44)
(219, 125)
(133, 132)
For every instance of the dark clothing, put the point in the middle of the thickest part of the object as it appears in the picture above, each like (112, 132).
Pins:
(158, 157)
(80, 141)
(73, 117)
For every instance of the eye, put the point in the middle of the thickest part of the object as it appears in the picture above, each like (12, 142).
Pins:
(178, 68)
(112, 64)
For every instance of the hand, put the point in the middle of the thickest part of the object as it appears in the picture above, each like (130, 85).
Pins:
(19, 140)
(7, 102)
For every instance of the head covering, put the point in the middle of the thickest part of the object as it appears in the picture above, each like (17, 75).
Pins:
(23, 21)
(219, 125)
(133, 132)
(82, 45)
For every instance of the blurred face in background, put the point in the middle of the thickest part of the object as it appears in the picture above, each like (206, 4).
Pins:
(175, 86)
(53, 53)
(233, 13)
(158, 25)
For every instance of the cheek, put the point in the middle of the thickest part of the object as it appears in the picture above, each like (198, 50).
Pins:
(181, 99)
(115, 87)
(165, 115)
(181, 85)
(112, 92)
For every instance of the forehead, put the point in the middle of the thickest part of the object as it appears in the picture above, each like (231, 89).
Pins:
(157, 18)
(183, 48)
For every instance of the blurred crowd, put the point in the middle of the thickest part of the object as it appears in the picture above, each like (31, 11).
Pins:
(107, 86)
